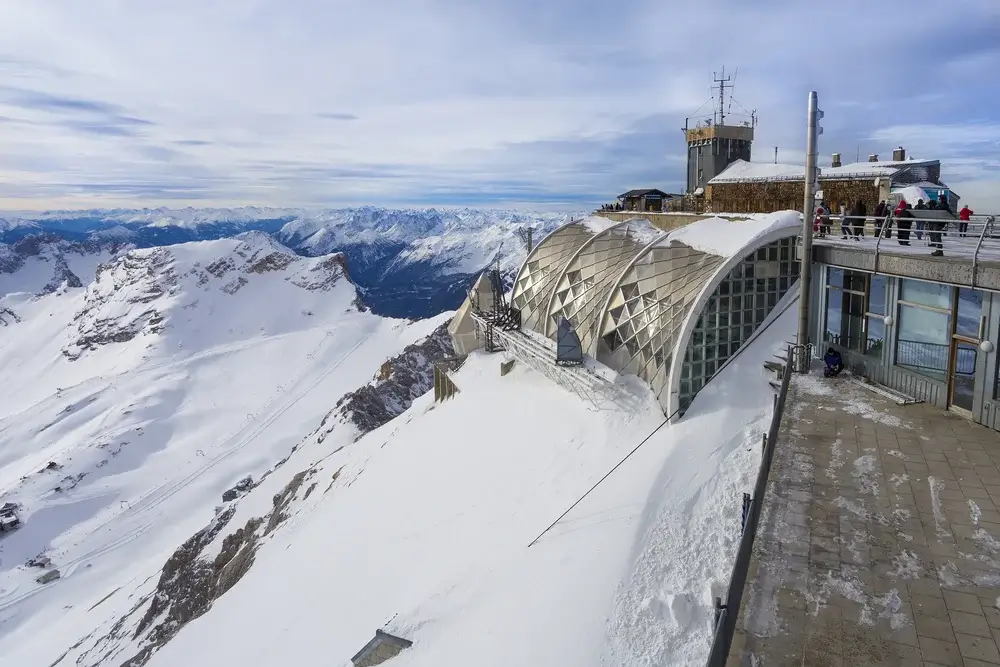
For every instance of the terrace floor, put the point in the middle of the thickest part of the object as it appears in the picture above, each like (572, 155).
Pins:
(879, 541)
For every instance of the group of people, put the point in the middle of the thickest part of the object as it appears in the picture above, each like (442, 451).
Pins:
(852, 223)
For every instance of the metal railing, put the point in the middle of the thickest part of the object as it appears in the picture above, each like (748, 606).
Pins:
(971, 239)
(727, 613)
(934, 357)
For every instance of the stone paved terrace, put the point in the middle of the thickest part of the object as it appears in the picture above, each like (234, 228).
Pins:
(879, 540)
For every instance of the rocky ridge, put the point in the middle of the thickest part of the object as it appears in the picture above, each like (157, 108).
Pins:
(212, 561)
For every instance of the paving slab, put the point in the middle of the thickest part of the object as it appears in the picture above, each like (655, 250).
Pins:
(879, 541)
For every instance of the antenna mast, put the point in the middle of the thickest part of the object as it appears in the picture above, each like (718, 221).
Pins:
(723, 82)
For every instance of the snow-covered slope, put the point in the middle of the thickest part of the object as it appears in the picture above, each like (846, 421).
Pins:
(407, 263)
(130, 404)
(422, 525)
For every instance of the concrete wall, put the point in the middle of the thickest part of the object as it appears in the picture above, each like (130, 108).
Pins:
(952, 269)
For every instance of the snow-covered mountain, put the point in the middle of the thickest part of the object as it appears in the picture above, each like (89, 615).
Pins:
(416, 263)
(406, 263)
(131, 402)
(420, 525)
(221, 458)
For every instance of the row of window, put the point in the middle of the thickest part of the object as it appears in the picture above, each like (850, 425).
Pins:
(937, 326)
(739, 305)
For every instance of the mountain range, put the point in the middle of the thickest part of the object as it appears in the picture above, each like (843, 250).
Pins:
(220, 455)
(405, 263)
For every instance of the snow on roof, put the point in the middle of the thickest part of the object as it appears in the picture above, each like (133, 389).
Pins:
(643, 231)
(596, 223)
(727, 238)
(742, 171)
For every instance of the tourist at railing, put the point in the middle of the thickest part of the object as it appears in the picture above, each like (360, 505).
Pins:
(858, 214)
(904, 221)
(964, 216)
(881, 212)
(845, 225)
(938, 226)
(921, 206)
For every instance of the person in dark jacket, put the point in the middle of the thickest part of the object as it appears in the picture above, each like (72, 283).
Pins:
(834, 363)
(937, 226)
(921, 206)
(858, 214)
(904, 221)
(880, 212)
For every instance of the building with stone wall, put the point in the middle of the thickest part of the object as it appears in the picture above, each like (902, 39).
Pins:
(746, 187)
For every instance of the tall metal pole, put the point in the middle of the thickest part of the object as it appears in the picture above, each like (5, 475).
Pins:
(808, 214)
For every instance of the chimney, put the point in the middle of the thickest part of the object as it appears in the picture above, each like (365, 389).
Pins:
(836, 160)
(873, 158)
(899, 155)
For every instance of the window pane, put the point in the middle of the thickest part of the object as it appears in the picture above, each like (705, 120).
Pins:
(970, 308)
(855, 280)
(930, 294)
(834, 303)
(876, 302)
(923, 341)
(834, 277)
(876, 337)
(844, 318)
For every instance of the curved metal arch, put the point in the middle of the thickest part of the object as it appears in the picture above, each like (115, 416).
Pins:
(674, 328)
(534, 251)
(587, 244)
(687, 329)
(607, 302)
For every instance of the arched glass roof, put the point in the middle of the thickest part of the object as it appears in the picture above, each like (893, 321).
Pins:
(638, 297)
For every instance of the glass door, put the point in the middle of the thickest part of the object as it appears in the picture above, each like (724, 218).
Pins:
(964, 350)
(963, 374)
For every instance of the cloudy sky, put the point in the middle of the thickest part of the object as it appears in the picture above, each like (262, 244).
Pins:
(481, 102)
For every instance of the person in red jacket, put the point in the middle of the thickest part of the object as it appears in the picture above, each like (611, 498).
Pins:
(963, 220)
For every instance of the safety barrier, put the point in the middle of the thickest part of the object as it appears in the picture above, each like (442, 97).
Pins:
(727, 613)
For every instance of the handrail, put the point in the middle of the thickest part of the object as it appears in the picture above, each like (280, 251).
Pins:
(975, 257)
(886, 226)
(726, 614)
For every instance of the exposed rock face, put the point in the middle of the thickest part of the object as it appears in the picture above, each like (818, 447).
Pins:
(192, 579)
(8, 317)
(138, 278)
(136, 294)
(400, 380)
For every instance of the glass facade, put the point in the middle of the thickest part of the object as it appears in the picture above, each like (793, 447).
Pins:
(543, 267)
(878, 292)
(647, 310)
(582, 291)
(737, 307)
(847, 309)
(923, 336)
(629, 289)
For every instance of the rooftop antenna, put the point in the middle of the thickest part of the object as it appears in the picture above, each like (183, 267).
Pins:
(723, 82)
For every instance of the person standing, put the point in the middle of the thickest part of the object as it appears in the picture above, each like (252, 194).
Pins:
(881, 210)
(904, 221)
(938, 226)
(921, 206)
(964, 216)
(858, 214)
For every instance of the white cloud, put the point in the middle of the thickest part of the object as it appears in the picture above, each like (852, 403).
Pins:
(317, 102)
